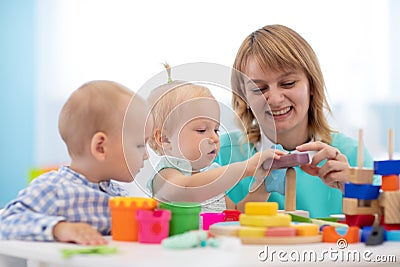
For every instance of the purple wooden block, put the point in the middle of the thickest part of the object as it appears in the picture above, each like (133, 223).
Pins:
(287, 161)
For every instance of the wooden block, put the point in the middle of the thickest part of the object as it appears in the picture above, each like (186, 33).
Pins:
(276, 240)
(353, 206)
(361, 191)
(302, 213)
(330, 235)
(281, 231)
(290, 190)
(361, 220)
(390, 182)
(265, 221)
(387, 167)
(361, 176)
(225, 229)
(247, 231)
(261, 208)
(306, 229)
(393, 235)
(287, 161)
(390, 201)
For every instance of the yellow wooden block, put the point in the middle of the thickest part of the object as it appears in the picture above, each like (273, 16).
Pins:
(306, 229)
(354, 206)
(251, 231)
(261, 208)
(265, 220)
(361, 176)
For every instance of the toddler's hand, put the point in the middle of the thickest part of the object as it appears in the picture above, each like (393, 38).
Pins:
(255, 165)
(80, 233)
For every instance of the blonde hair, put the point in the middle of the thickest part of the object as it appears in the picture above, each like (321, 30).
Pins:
(96, 106)
(165, 98)
(277, 48)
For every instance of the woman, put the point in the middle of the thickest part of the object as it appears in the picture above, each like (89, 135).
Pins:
(281, 98)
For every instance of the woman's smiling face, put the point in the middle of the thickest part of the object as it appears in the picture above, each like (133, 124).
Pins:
(281, 96)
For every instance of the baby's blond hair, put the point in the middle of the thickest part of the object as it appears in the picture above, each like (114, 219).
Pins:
(96, 106)
(165, 98)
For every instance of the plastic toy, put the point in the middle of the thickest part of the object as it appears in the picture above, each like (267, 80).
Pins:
(209, 218)
(103, 250)
(231, 215)
(185, 216)
(188, 240)
(153, 225)
(330, 235)
(124, 226)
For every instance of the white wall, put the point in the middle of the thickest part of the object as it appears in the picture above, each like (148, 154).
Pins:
(125, 41)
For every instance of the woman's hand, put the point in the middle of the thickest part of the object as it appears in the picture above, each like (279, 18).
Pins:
(334, 172)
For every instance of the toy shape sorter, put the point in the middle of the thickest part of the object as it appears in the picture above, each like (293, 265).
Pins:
(262, 224)
(389, 198)
(288, 162)
(124, 225)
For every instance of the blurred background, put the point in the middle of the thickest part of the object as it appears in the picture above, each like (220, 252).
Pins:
(48, 48)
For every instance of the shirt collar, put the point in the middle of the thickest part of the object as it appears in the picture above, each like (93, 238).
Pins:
(78, 178)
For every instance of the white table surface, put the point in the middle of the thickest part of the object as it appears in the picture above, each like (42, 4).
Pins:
(232, 253)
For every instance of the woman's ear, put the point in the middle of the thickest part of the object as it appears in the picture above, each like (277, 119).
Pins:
(161, 139)
(98, 146)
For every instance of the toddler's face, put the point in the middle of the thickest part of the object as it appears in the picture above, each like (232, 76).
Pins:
(195, 137)
(199, 142)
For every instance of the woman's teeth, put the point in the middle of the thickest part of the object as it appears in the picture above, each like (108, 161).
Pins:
(280, 112)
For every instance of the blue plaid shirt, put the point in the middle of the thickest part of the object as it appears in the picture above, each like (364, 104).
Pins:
(62, 195)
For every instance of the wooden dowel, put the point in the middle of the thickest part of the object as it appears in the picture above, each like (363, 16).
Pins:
(290, 190)
(391, 144)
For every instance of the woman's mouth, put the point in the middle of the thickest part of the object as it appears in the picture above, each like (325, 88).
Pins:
(280, 112)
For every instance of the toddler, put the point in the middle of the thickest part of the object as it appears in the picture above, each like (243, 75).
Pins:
(71, 204)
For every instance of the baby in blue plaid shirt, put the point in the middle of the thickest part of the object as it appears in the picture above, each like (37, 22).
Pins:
(105, 127)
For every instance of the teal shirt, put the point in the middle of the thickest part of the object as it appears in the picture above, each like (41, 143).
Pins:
(311, 193)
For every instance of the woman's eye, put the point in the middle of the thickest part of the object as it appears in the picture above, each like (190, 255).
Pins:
(289, 84)
(259, 90)
(216, 131)
(201, 131)
(140, 146)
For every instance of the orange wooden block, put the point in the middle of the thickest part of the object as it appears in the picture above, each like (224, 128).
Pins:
(354, 206)
(306, 229)
(361, 176)
(390, 183)
(330, 235)
(390, 201)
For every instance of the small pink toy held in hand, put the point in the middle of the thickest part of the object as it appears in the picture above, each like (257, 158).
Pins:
(287, 161)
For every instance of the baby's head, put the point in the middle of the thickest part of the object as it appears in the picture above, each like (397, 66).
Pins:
(100, 122)
(186, 122)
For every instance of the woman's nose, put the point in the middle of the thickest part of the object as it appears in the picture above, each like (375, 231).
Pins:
(274, 95)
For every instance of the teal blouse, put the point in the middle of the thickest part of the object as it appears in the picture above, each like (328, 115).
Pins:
(312, 194)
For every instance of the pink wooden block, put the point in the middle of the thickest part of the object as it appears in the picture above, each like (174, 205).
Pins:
(280, 231)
